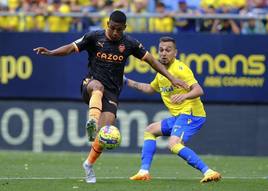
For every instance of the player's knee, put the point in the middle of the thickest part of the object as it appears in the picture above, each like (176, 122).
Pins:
(175, 145)
(152, 131)
(171, 143)
(148, 134)
(149, 128)
(94, 86)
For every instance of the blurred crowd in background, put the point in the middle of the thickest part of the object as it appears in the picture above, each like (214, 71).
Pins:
(39, 15)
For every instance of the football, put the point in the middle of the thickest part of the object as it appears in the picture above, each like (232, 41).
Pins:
(109, 137)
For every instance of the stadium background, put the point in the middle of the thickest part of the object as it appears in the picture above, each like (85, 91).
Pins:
(41, 108)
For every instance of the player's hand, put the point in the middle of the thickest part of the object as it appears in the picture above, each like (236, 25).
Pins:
(180, 84)
(42, 50)
(178, 98)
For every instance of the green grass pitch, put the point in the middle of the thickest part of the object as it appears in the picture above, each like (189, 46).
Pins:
(62, 171)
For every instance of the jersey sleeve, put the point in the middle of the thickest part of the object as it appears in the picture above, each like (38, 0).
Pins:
(84, 42)
(154, 84)
(137, 49)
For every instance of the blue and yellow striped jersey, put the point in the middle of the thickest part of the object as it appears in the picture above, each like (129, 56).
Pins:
(162, 85)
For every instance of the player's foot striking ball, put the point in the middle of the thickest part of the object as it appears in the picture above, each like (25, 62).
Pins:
(109, 137)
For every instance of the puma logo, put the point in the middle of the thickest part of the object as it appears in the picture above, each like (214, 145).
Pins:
(100, 44)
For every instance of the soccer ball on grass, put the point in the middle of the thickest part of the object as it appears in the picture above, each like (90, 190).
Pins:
(109, 137)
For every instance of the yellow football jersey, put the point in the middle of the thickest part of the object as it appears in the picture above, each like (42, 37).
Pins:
(162, 85)
(13, 4)
(13, 22)
(59, 24)
(3, 22)
(164, 24)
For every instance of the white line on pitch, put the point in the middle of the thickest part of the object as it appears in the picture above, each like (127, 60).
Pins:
(163, 178)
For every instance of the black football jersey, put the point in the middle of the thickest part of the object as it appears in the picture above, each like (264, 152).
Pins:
(107, 58)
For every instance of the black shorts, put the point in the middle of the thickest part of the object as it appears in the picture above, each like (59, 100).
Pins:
(109, 99)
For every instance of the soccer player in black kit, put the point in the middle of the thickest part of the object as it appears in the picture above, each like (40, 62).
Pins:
(108, 51)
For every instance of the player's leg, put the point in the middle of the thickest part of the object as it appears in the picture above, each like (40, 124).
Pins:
(148, 151)
(108, 116)
(96, 150)
(184, 127)
(92, 91)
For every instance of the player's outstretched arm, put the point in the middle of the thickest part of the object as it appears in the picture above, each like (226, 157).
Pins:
(61, 51)
(162, 70)
(195, 91)
(143, 87)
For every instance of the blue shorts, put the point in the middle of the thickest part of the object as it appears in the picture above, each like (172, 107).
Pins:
(183, 126)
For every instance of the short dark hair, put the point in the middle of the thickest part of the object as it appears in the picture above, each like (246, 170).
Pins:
(168, 39)
(118, 17)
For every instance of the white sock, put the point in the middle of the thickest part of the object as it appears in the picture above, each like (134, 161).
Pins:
(143, 171)
(208, 171)
(90, 165)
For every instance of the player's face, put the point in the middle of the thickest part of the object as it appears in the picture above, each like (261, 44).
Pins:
(115, 30)
(167, 53)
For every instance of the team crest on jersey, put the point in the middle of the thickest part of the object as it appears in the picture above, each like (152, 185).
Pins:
(121, 48)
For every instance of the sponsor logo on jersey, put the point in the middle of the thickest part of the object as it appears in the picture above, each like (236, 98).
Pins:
(166, 89)
(109, 57)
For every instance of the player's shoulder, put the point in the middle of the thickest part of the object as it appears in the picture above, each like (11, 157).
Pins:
(180, 68)
(134, 42)
(181, 65)
(95, 34)
(130, 39)
(99, 32)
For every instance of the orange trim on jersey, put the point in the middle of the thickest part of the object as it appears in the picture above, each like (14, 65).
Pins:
(75, 47)
(144, 55)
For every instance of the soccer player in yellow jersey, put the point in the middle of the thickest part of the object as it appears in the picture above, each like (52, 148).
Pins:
(186, 108)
